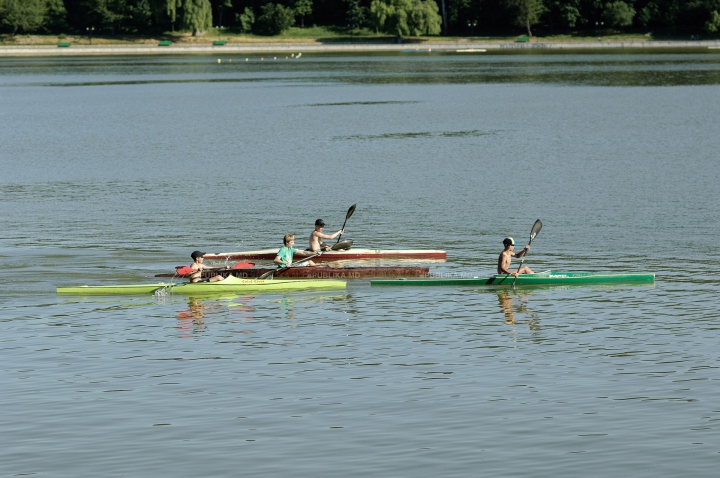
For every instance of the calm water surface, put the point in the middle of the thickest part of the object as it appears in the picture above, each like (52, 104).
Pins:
(116, 168)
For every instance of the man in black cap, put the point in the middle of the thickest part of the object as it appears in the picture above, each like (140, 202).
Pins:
(198, 266)
(507, 255)
(316, 243)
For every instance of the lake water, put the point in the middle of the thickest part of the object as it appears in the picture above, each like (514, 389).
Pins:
(116, 168)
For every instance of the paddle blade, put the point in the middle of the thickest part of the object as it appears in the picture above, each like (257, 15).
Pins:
(184, 270)
(342, 245)
(350, 212)
(535, 229)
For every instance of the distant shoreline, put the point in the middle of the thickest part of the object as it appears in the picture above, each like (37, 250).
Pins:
(359, 47)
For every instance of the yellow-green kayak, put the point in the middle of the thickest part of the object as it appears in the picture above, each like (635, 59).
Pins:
(229, 284)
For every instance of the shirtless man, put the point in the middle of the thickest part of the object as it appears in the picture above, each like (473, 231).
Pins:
(507, 255)
(315, 238)
(198, 267)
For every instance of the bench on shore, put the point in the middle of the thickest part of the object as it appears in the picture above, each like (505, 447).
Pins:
(522, 39)
(219, 42)
(63, 44)
(165, 43)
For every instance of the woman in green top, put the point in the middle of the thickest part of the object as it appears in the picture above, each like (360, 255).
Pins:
(284, 256)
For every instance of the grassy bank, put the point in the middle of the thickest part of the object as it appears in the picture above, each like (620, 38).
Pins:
(313, 35)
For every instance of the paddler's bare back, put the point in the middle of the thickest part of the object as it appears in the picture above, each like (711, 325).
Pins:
(504, 261)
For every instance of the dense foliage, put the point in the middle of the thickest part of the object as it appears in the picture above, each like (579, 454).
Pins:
(396, 17)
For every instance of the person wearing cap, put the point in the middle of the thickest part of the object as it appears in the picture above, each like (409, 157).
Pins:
(317, 235)
(197, 266)
(506, 256)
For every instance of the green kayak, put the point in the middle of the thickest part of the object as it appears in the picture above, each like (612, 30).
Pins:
(541, 278)
(229, 284)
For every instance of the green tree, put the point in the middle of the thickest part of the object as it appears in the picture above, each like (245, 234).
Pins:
(460, 12)
(302, 8)
(137, 16)
(425, 18)
(103, 14)
(197, 16)
(713, 25)
(172, 11)
(24, 15)
(55, 16)
(379, 14)
(527, 12)
(275, 19)
(568, 12)
(245, 19)
(406, 17)
(356, 13)
(618, 14)
(649, 14)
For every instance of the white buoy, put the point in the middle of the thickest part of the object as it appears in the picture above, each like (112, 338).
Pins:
(274, 58)
(292, 56)
(218, 60)
(299, 55)
(246, 59)
(230, 60)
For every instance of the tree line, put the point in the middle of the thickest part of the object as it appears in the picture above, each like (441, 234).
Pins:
(394, 17)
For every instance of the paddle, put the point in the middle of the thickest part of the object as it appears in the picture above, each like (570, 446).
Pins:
(342, 245)
(279, 270)
(239, 265)
(533, 233)
(347, 216)
(187, 270)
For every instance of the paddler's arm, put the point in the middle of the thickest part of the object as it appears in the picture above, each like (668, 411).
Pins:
(307, 253)
(279, 261)
(523, 252)
(328, 236)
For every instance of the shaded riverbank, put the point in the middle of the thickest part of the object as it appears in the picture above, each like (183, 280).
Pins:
(333, 47)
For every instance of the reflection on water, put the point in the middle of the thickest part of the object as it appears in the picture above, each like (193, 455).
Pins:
(507, 306)
(424, 134)
(512, 303)
(362, 103)
(192, 320)
(287, 305)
